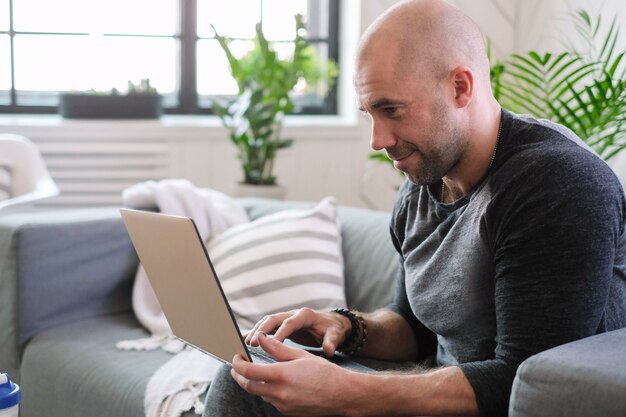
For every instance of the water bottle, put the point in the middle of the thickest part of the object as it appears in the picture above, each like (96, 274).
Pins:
(10, 396)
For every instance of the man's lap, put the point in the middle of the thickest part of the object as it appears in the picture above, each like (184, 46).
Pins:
(227, 399)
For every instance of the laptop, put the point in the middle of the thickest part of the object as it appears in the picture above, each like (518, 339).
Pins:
(185, 283)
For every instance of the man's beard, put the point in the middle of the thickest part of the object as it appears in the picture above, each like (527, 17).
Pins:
(446, 148)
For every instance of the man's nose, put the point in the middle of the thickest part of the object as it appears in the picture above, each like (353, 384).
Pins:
(382, 137)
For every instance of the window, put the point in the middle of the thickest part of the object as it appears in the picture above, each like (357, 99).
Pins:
(77, 45)
(5, 54)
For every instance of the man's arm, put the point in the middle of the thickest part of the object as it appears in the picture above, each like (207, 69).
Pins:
(389, 337)
(289, 383)
(556, 223)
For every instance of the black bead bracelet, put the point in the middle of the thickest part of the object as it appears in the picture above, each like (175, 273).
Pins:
(358, 334)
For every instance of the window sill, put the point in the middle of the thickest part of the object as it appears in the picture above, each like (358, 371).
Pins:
(166, 120)
(172, 126)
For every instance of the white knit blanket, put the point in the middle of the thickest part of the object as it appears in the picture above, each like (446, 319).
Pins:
(176, 387)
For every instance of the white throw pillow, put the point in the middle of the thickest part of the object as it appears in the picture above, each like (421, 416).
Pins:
(5, 180)
(281, 261)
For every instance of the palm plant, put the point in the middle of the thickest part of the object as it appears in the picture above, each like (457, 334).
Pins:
(585, 92)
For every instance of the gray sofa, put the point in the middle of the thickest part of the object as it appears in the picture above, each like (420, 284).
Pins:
(65, 300)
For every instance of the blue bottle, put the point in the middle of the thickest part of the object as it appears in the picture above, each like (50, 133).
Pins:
(10, 396)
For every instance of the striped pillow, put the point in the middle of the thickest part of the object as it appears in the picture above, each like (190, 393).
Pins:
(281, 261)
(5, 180)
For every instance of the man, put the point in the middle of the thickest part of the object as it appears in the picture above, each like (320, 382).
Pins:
(510, 230)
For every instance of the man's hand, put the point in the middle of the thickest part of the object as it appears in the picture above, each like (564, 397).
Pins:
(327, 329)
(300, 384)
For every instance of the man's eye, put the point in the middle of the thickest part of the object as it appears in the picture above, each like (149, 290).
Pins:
(390, 111)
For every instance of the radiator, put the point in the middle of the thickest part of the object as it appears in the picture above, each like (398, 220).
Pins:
(94, 172)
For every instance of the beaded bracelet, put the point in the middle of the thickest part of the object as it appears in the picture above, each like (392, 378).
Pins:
(358, 334)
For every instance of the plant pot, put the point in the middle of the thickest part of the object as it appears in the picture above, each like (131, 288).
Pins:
(277, 192)
(92, 106)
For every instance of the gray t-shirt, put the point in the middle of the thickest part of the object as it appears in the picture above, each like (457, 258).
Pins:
(533, 257)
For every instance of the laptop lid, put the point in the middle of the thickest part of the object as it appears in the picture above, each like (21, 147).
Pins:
(185, 283)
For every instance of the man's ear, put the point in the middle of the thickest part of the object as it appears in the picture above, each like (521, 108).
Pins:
(463, 81)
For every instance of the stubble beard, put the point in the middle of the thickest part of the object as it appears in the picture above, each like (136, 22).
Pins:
(436, 161)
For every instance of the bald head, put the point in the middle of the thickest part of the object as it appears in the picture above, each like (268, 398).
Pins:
(426, 38)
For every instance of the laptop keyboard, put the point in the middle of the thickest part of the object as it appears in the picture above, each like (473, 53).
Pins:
(260, 355)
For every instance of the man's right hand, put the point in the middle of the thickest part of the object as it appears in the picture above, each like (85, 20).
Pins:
(326, 328)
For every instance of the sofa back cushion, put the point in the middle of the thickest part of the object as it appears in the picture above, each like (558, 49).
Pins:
(70, 265)
(370, 260)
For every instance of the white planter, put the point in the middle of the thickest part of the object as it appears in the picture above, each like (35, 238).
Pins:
(277, 192)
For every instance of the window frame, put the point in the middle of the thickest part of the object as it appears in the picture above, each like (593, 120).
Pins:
(187, 95)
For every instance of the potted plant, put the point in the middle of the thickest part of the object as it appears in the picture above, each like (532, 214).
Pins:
(140, 102)
(254, 117)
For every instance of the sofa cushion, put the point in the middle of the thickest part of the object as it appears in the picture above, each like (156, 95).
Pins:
(97, 285)
(371, 261)
(75, 370)
(369, 279)
(281, 261)
(582, 378)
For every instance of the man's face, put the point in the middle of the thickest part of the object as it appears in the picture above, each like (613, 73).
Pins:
(411, 121)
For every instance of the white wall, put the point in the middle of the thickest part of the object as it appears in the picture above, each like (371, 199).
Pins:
(546, 25)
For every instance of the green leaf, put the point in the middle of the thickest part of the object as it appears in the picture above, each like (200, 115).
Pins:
(556, 61)
(578, 125)
(615, 65)
(611, 38)
(584, 15)
(539, 59)
(572, 79)
(530, 63)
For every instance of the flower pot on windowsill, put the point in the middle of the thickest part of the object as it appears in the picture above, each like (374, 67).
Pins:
(94, 106)
(277, 192)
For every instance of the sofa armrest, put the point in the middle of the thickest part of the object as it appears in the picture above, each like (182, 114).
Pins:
(582, 378)
(59, 267)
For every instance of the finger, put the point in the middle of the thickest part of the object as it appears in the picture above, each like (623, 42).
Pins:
(332, 339)
(252, 333)
(303, 318)
(253, 387)
(268, 325)
(253, 371)
(248, 336)
(251, 337)
(259, 388)
(279, 350)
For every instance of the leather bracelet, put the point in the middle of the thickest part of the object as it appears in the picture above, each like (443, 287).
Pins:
(358, 334)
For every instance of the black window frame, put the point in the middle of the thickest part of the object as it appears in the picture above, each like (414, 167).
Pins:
(188, 99)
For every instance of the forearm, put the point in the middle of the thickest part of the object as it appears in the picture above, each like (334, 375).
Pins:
(442, 392)
(389, 337)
